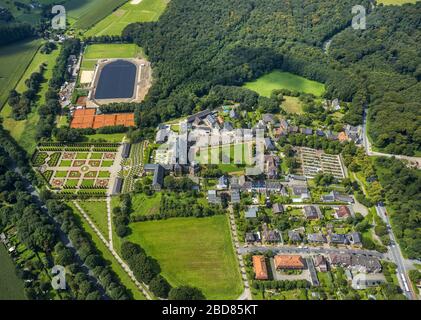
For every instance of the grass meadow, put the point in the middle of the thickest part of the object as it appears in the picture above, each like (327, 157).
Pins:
(193, 251)
(23, 131)
(284, 80)
(11, 287)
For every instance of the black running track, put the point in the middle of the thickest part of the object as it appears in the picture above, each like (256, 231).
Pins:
(117, 80)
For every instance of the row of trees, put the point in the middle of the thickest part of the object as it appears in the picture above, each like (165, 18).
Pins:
(21, 103)
(147, 270)
(51, 108)
(12, 32)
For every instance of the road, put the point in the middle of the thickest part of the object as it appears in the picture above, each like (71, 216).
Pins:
(308, 250)
(413, 161)
(396, 256)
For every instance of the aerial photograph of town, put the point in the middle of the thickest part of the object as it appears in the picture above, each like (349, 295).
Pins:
(240, 151)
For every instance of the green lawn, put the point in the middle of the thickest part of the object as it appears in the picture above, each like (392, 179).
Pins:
(292, 105)
(211, 154)
(115, 137)
(107, 163)
(193, 251)
(112, 50)
(72, 183)
(24, 131)
(84, 13)
(113, 24)
(65, 163)
(60, 174)
(104, 174)
(11, 287)
(284, 80)
(87, 182)
(82, 155)
(145, 205)
(124, 278)
(96, 156)
(97, 211)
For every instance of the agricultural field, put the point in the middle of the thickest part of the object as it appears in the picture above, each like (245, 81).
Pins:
(193, 251)
(78, 167)
(284, 80)
(131, 12)
(11, 287)
(23, 131)
(10, 71)
(83, 14)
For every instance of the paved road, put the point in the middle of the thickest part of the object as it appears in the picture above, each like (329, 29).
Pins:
(309, 250)
(395, 254)
(246, 295)
(140, 286)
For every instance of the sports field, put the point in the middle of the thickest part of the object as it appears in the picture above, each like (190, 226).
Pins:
(83, 14)
(24, 131)
(284, 80)
(113, 24)
(10, 70)
(193, 251)
(11, 287)
(95, 52)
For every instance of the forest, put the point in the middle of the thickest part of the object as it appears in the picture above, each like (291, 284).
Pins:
(197, 45)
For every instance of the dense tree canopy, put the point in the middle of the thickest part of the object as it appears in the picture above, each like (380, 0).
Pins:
(198, 44)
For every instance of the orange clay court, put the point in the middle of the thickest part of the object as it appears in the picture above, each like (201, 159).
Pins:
(86, 118)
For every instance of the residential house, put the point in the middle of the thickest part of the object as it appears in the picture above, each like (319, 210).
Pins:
(289, 262)
(365, 264)
(335, 196)
(260, 268)
(250, 237)
(277, 208)
(294, 236)
(213, 198)
(320, 263)
(270, 236)
(235, 196)
(340, 260)
(320, 133)
(301, 191)
(306, 131)
(269, 118)
(233, 114)
(158, 175)
(339, 239)
(210, 120)
(342, 212)
(363, 281)
(342, 137)
(200, 115)
(354, 133)
(251, 212)
(316, 238)
(222, 183)
(228, 126)
(331, 136)
(311, 212)
(271, 166)
(293, 129)
(354, 239)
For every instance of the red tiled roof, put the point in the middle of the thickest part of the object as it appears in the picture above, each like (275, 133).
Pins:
(289, 262)
(260, 269)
